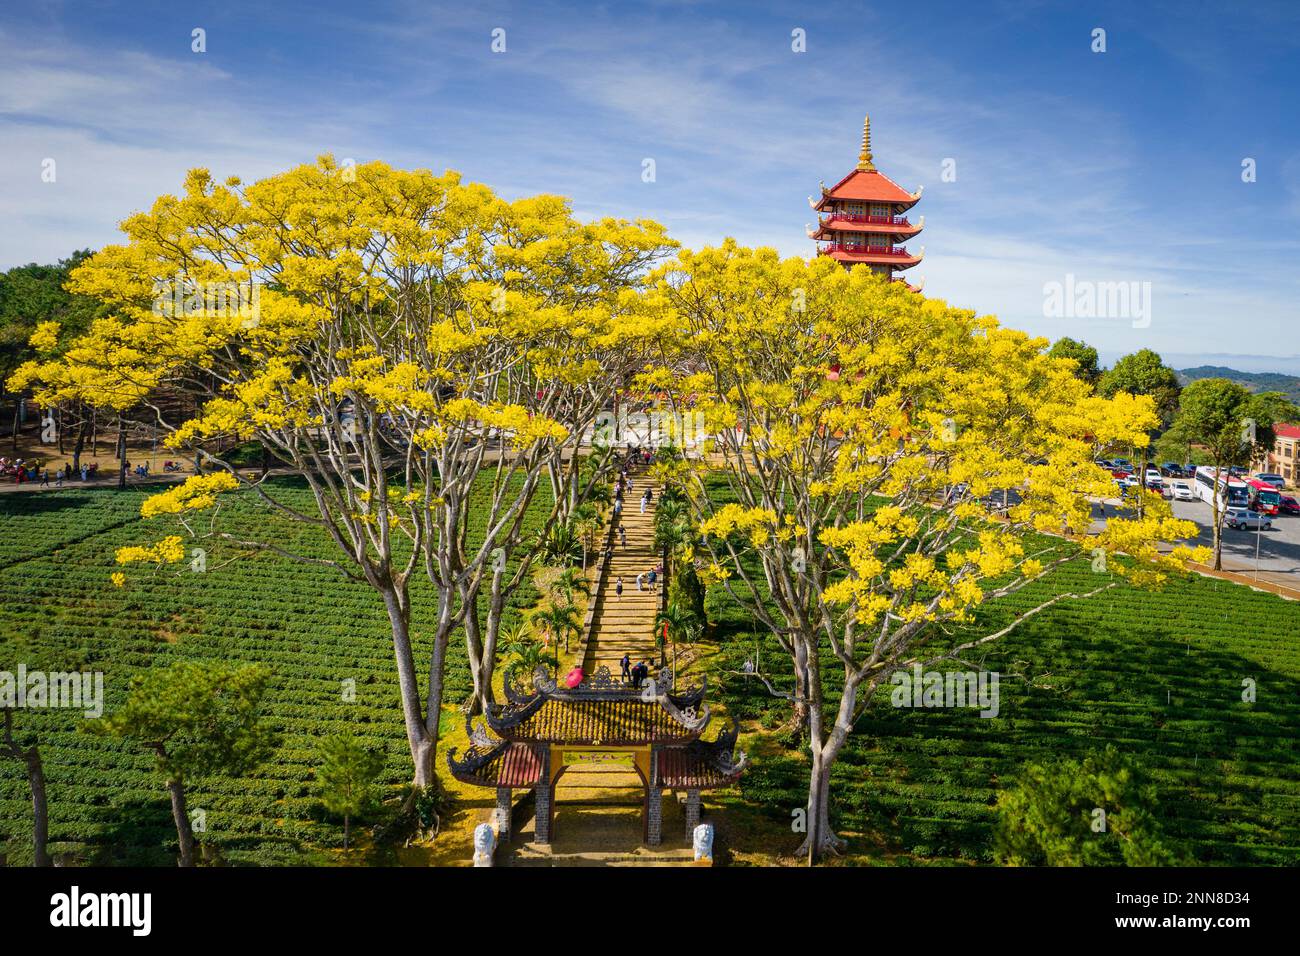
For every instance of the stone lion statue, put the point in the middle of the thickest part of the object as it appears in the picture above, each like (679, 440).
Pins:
(702, 841)
(485, 842)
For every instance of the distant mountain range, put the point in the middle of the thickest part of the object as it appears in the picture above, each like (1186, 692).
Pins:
(1289, 385)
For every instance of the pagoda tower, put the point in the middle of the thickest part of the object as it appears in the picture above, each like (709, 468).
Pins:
(863, 218)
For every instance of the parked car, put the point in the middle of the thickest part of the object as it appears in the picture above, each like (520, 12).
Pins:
(1289, 506)
(1153, 474)
(1245, 519)
(1236, 471)
(1171, 469)
(1277, 481)
(1181, 490)
(1105, 463)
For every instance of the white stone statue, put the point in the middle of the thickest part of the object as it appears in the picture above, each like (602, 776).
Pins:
(485, 842)
(702, 841)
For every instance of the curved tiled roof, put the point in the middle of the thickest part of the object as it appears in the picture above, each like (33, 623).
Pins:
(600, 710)
(869, 186)
(701, 764)
(508, 764)
(626, 721)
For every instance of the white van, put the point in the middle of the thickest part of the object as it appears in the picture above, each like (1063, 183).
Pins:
(1180, 490)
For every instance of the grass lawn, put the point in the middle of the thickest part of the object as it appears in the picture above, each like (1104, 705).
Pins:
(1158, 674)
(311, 627)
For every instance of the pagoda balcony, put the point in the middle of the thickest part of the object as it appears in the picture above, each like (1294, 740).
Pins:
(869, 220)
(863, 249)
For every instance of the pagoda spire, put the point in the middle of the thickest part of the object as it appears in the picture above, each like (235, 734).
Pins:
(864, 158)
(863, 218)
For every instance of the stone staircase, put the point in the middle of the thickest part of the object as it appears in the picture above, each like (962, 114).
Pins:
(625, 624)
(598, 807)
(598, 834)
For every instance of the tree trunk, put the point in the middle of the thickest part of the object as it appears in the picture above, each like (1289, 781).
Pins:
(824, 748)
(40, 808)
(800, 711)
(475, 653)
(31, 758)
(18, 403)
(183, 829)
(347, 831)
(1216, 517)
(437, 680)
(821, 839)
(417, 736)
(488, 663)
(121, 454)
(80, 445)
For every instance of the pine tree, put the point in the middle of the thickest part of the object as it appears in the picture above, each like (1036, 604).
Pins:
(347, 778)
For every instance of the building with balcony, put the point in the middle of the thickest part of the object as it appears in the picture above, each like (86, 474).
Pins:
(863, 218)
(1284, 459)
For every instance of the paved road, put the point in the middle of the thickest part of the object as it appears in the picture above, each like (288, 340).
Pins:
(1279, 547)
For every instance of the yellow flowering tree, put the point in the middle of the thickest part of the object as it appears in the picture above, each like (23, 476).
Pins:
(394, 336)
(864, 437)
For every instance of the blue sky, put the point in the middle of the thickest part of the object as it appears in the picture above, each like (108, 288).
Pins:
(1122, 166)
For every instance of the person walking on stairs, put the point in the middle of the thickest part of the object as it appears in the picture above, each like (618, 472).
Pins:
(618, 586)
(626, 665)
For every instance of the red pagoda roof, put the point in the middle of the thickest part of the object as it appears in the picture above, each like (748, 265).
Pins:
(828, 226)
(869, 186)
(896, 258)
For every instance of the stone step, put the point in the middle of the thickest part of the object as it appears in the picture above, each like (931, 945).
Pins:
(624, 623)
(602, 835)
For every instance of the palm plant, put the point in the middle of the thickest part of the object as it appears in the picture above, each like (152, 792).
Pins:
(561, 543)
(587, 521)
(681, 622)
(569, 583)
(525, 653)
(674, 529)
(559, 621)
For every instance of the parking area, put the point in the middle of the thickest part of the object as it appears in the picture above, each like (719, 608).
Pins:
(1279, 547)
